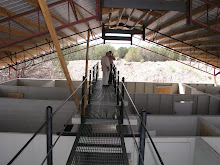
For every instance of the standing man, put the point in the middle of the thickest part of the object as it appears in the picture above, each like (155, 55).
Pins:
(105, 68)
(111, 59)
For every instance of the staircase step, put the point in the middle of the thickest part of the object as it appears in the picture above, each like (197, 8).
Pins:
(102, 121)
(100, 140)
(98, 150)
(99, 145)
(98, 159)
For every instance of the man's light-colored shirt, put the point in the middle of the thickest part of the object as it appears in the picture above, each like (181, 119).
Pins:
(105, 63)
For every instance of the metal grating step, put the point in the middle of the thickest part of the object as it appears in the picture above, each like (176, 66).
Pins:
(98, 149)
(98, 159)
(99, 140)
(99, 145)
(101, 121)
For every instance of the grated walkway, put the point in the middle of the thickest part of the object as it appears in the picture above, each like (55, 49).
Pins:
(100, 139)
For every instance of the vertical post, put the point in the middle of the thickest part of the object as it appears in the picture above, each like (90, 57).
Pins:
(93, 73)
(142, 138)
(115, 75)
(122, 99)
(93, 78)
(97, 71)
(86, 72)
(49, 135)
(83, 98)
(90, 76)
(215, 78)
(9, 74)
(118, 89)
(123, 88)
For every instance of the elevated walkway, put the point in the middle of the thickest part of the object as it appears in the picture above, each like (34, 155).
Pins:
(100, 138)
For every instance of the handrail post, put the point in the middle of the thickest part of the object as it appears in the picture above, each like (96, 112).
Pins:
(122, 99)
(93, 72)
(115, 75)
(122, 87)
(118, 90)
(82, 103)
(93, 77)
(142, 138)
(97, 71)
(90, 76)
(49, 136)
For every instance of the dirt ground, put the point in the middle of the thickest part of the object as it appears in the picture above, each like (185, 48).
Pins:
(169, 71)
(164, 72)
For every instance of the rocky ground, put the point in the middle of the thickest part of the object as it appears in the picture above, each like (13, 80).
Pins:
(169, 71)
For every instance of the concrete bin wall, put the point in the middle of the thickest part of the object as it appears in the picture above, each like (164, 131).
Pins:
(165, 104)
(174, 151)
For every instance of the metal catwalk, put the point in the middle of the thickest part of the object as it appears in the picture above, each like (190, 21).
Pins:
(100, 139)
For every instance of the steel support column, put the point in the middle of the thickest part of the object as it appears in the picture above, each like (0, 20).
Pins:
(142, 138)
(49, 136)
(86, 72)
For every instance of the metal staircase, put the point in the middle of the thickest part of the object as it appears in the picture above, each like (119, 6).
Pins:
(100, 137)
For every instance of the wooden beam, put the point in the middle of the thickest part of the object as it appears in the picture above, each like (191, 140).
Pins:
(211, 49)
(71, 28)
(140, 19)
(12, 31)
(7, 13)
(151, 21)
(188, 38)
(52, 31)
(86, 73)
(108, 10)
(34, 3)
(81, 16)
(180, 18)
(110, 16)
(152, 13)
(128, 19)
(185, 30)
(27, 43)
(198, 44)
(119, 18)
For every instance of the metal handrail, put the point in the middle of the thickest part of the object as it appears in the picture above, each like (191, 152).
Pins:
(44, 124)
(133, 134)
(61, 132)
(145, 127)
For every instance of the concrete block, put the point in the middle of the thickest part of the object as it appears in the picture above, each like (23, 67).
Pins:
(163, 90)
(166, 104)
(203, 105)
(131, 87)
(174, 88)
(153, 105)
(214, 106)
(16, 95)
(49, 84)
(133, 120)
(149, 88)
(140, 101)
(139, 88)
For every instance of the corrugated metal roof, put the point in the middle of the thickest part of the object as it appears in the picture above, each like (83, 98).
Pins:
(16, 6)
(61, 10)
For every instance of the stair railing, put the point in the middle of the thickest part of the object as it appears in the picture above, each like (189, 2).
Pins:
(51, 117)
(142, 119)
